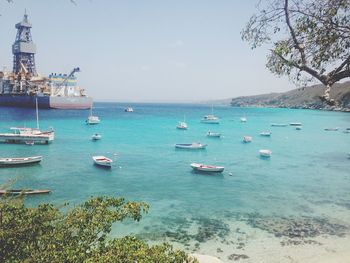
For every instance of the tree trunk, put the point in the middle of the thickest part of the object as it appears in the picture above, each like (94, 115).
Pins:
(326, 96)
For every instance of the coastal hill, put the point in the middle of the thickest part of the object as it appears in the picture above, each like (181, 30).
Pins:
(301, 98)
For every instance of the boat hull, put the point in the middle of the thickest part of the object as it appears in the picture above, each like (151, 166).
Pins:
(102, 161)
(19, 161)
(23, 192)
(190, 146)
(45, 102)
(207, 168)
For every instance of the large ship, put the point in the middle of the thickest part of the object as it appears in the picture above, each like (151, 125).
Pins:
(24, 86)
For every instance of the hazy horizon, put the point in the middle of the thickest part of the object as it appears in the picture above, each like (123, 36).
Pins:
(159, 51)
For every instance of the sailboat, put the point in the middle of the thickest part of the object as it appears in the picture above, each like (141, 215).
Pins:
(211, 118)
(29, 136)
(182, 125)
(91, 120)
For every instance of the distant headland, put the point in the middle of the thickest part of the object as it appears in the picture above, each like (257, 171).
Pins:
(301, 98)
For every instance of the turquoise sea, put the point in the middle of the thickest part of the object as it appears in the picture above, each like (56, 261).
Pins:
(306, 182)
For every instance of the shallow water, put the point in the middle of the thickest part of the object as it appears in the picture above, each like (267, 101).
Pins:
(309, 169)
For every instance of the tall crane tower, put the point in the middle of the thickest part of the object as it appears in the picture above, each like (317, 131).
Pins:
(24, 49)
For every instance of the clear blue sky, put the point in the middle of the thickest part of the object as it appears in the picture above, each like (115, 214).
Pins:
(153, 50)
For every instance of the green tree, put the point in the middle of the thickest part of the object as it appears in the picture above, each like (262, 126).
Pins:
(307, 39)
(50, 234)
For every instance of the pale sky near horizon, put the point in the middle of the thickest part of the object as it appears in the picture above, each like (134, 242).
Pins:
(146, 51)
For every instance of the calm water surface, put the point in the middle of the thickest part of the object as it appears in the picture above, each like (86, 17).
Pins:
(308, 170)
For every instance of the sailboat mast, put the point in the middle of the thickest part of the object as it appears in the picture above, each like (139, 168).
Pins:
(37, 113)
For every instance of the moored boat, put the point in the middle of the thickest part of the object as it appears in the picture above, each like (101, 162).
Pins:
(298, 128)
(207, 168)
(129, 109)
(102, 161)
(243, 119)
(213, 134)
(92, 120)
(23, 192)
(265, 133)
(279, 124)
(211, 118)
(28, 136)
(295, 124)
(191, 146)
(17, 161)
(182, 125)
(265, 153)
(96, 137)
(331, 129)
(247, 138)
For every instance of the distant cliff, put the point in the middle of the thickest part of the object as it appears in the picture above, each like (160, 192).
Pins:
(302, 98)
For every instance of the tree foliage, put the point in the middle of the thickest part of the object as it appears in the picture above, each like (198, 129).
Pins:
(304, 36)
(47, 234)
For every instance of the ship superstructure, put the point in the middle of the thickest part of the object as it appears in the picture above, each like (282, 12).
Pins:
(24, 85)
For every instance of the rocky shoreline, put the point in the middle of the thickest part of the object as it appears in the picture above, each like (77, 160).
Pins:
(302, 98)
(305, 107)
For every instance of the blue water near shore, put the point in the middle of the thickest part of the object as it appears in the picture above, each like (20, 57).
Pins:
(308, 167)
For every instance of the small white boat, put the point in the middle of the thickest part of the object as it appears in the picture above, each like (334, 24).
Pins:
(331, 129)
(96, 137)
(29, 143)
(207, 168)
(16, 161)
(92, 120)
(265, 133)
(129, 109)
(295, 124)
(102, 161)
(265, 153)
(247, 138)
(191, 146)
(213, 134)
(298, 128)
(210, 119)
(182, 125)
(279, 124)
(243, 119)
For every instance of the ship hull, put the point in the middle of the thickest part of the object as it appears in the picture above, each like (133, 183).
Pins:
(46, 102)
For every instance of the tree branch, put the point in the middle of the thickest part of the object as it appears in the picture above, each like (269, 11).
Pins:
(291, 30)
(342, 65)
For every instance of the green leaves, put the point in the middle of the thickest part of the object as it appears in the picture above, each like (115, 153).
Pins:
(312, 37)
(46, 234)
